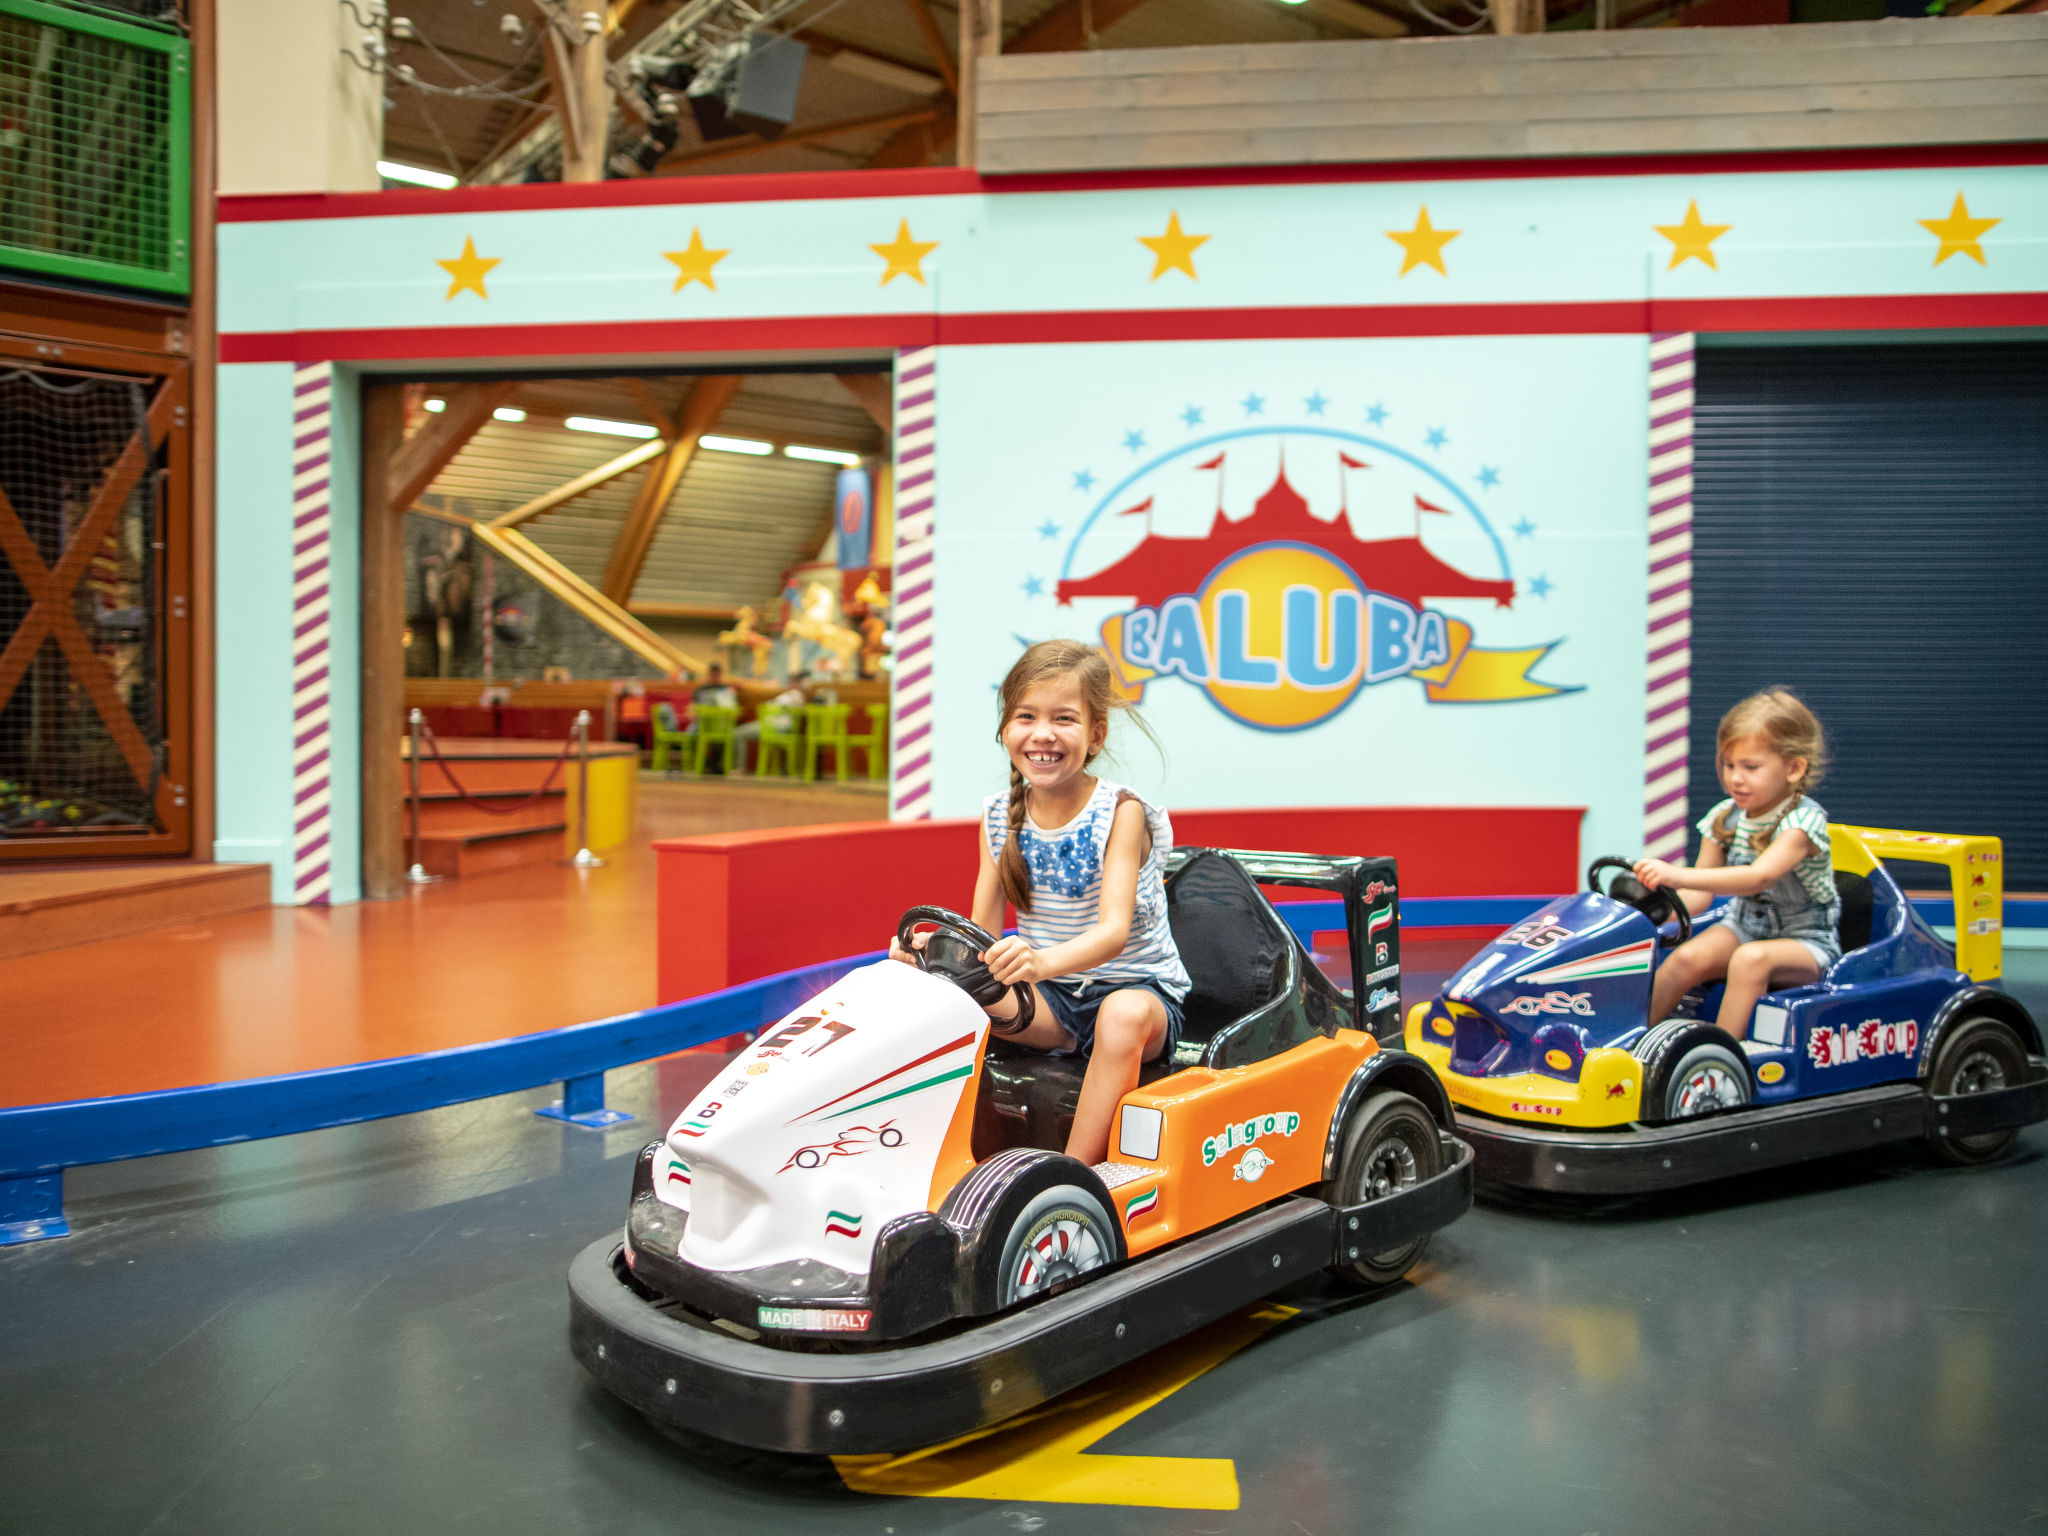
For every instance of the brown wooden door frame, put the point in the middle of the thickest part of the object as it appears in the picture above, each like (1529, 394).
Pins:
(383, 644)
(60, 348)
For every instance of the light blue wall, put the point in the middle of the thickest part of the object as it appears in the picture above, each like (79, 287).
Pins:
(253, 631)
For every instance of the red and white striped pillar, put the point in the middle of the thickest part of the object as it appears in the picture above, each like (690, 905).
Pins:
(910, 712)
(312, 777)
(1669, 683)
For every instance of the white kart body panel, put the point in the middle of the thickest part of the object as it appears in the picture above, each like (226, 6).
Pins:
(827, 1127)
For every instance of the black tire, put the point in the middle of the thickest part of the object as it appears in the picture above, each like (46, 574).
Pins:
(1976, 1055)
(1690, 1070)
(1390, 1144)
(1022, 1197)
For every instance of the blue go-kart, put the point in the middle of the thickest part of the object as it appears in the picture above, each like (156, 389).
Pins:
(1561, 1085)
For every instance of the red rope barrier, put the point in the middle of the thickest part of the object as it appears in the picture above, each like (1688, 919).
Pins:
(546, 784)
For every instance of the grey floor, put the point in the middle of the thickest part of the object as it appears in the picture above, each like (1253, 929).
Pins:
(363, 1330)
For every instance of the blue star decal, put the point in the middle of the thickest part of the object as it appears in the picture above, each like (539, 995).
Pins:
(1134, 440)
(1436, 437)
(1033, 586)
(1083, 480)
(1048, 529)
(1489, 476)
(1539, 586)
(1192, 416)
(1523, 529)
(1254, 404)
(1315, 403)
(1375, 414)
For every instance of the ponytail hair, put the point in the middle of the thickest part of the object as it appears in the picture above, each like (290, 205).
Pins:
(1100, 697)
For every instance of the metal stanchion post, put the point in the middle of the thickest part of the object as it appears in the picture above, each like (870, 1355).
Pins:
(417, 875)
(584, 859)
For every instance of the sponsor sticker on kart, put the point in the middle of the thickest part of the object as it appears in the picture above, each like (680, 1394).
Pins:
(1872, 1038)
(1242, 1133)
(1384, 973)
(816, 1319)
(1551, 1002)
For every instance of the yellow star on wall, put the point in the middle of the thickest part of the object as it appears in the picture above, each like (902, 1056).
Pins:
(694, 264)
(1958, 233)
(1422, 246)
(1692, 236)
(467, 270)
(1172, 251)
(904, 255)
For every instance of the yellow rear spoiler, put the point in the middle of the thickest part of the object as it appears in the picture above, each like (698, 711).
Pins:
(1976, 879)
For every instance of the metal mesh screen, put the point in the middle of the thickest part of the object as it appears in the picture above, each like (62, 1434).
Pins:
(92, 147)
(82, 728)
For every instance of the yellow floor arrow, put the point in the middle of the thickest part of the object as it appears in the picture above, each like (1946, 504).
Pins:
(1042, 1456)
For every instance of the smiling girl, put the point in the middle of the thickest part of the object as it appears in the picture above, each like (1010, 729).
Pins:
(1082, 860)
(1767, 846)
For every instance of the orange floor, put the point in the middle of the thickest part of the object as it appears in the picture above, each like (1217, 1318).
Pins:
(287, 990)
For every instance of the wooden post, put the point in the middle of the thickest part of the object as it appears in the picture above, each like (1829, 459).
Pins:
(981, 35)
(205, 130)
(591, 102)
(383, 646)
(1510, 16)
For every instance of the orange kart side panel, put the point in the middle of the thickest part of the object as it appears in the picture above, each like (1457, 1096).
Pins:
(1228, 1141)
(956, 1152)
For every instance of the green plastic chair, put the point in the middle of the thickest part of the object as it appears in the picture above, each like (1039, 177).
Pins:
(669, 736)
(714, 728)
(781, 732)
(873, 741)
(825, 731)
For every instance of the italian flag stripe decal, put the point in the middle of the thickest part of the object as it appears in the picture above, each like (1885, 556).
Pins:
(873, 1082)
(930, 1082)
(1138, 1205)
(840, 1224)
(1626, 961)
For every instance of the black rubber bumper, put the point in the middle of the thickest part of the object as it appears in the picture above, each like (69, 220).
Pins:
(676, 1366)
(1642, 1159)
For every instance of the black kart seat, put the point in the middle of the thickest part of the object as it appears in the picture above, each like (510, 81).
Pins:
(1232, 942)
(1853, 929)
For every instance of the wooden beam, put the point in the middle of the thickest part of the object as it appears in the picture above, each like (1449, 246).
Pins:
(655, 409)
(719, 613)
(981, 35)
(917, 143)
(1070, 25)
(593, 106)
(935, 44)
(565, 585)
(589, 480)
(1351, 16)
(727, 149)
(561, 67)
(412, 468)
(876, 397)
(636, 534)
(383, 654)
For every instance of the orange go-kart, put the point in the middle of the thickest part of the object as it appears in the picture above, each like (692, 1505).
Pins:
(864, 1235)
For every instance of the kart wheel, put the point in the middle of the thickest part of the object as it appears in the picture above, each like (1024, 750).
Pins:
(1693, 1070)
(1059, 1237)
(1390, 1145)
(1976, 1056)
(1030, 1222)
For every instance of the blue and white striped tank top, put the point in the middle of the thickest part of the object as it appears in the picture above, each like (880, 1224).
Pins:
(1066, 887)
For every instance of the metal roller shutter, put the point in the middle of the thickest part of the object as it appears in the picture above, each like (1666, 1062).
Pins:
(1871, 529)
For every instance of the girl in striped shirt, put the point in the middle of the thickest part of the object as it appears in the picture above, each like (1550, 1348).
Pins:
(1092, 967)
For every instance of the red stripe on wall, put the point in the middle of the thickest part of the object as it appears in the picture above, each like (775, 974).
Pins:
(939, 181)
(846, 332)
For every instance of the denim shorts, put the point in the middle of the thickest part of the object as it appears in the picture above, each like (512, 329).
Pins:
(1076, 1011)
(1810, 925)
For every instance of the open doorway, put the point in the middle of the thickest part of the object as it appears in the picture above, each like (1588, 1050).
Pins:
(695, 564)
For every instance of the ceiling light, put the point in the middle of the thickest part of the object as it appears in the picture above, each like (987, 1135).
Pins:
(508, 413)
(436, 406)
(414, 175)
(821, 455)
(735, 445)
(609, 428)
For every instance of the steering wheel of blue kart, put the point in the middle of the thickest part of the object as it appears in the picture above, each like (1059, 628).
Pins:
(1659, 907)
(953, 950)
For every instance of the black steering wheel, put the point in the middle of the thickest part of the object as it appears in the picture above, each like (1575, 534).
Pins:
(1659, 907)
(953, 949)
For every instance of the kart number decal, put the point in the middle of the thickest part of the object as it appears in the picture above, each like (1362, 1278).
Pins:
(1242, 1133)
(835, 1030)
(1551, 1002)
(851, 1142)
(772, 1046)
(1536, 933)
(1862, 1042)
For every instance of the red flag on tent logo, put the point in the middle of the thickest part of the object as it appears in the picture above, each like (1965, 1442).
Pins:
(1350, 463)
(1215, 463)
(1430, 506)
(1143, 506)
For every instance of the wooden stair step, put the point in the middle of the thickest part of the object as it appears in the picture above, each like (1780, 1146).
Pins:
(480, 852)
(43, 909)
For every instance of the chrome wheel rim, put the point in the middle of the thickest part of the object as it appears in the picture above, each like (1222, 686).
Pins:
(1707, 1087)
(1061, 1248)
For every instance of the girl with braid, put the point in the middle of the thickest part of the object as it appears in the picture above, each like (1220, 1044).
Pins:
(1081, 860)
(1767, 846)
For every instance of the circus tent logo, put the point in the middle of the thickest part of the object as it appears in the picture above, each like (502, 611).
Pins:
(1282, 617)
